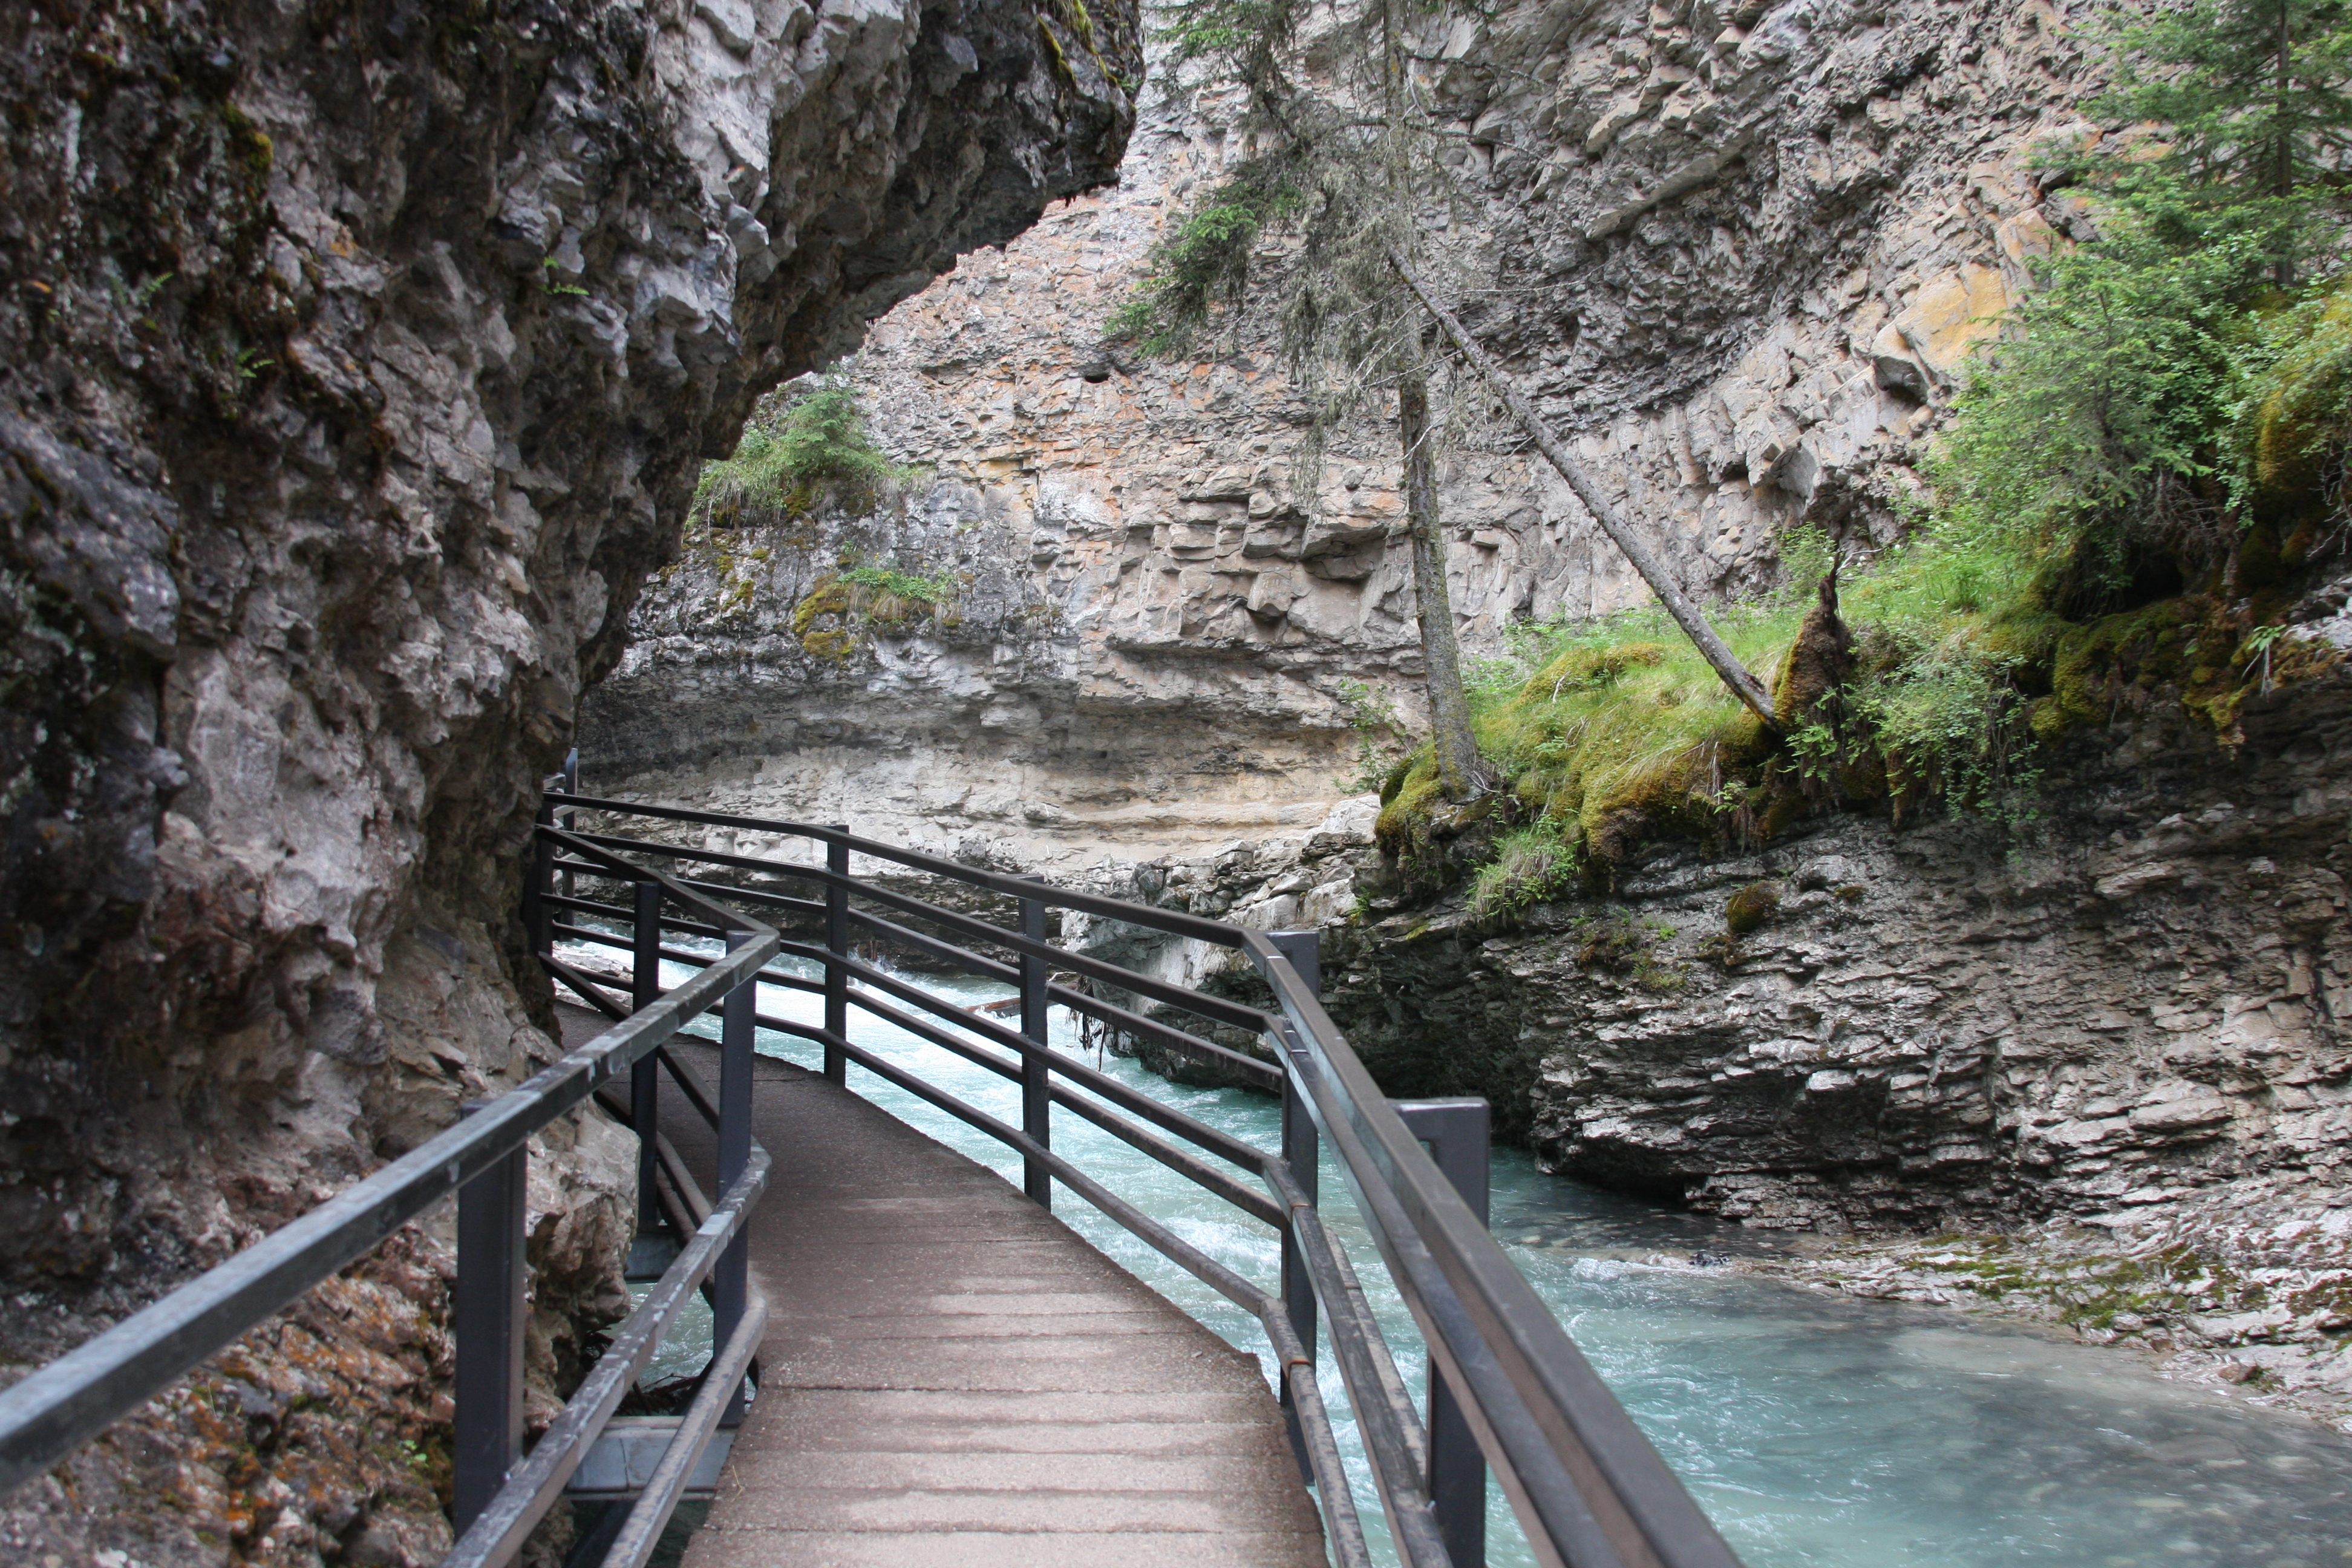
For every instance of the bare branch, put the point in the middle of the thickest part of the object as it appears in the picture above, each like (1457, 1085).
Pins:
(1711, 647)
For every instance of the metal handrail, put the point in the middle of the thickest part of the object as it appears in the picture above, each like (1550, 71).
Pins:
(1174, 922)
(1564, 1449)
(1588, 1486)
(1217, 1009)
(51, 1412)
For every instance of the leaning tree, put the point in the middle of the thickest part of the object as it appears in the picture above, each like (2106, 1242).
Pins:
(1347, 167)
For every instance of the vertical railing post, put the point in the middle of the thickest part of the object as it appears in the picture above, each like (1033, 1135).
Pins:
(644, 1076)
(836, 943)
(1459, 1135)
(488, 1315)
(538, 915)
(1301, 1151)
(1036, 1066)
(731, 1280)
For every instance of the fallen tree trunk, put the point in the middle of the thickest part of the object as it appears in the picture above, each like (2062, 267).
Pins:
(1711, 647)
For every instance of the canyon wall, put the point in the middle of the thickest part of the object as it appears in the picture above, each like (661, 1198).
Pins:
(356, 363)
(2132, 996)
(1741, 252)
(1738, 251)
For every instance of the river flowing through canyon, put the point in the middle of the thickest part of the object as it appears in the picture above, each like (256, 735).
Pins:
(1818, 1431)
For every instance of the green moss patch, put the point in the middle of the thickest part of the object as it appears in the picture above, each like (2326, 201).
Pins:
(1622, 946)
(1750, 907)
(1529, 866)
(2093, 1291)
(2204, 650)
(1939, 674)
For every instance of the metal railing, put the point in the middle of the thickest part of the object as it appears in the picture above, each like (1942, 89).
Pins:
(1508, 1390)
(500, 1494)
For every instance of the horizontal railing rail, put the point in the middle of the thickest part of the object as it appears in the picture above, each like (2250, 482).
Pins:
(1248, 1070)
(1508, 1389)
(1217, 1009)
(1175, 922)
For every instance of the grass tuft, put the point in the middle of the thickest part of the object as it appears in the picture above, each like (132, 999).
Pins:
(1530, 864)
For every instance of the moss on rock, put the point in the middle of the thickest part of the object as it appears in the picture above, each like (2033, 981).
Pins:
(822, 621)
(1818, 658)
(2206, 652)
(1750, 907)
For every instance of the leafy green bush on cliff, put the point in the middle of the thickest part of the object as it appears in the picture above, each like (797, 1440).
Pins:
(816, 445)
(2295, 423)
(2092, 437)
(2106, 433)
(1204, 266)
(2137, 471)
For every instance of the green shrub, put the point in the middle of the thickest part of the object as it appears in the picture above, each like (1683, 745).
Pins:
(818, 446)
(2163, 389)
(1378, 728)
(1806, 554)
(2091, 437)
(1204, 265)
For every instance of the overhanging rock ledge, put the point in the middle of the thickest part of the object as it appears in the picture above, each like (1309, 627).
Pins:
(356, 361)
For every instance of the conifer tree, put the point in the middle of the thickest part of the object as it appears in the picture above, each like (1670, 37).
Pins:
(1342, 175)
(2255, 101)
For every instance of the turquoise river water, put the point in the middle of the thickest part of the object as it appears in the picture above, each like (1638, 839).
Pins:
(1818, 1432)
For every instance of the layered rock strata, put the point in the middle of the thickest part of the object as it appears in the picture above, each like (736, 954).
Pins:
(2100, 1055)
(2130, 998)
(356, 361)
(1736, 251)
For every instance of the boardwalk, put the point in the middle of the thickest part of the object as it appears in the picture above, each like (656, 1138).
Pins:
(952, 1377)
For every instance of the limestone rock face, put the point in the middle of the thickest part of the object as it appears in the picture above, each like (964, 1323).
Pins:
(1739, 253)
(2129, 1007)
(356, 361)
(1735, 251)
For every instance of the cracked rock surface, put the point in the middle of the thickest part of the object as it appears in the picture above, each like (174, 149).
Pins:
(2123, 1007)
